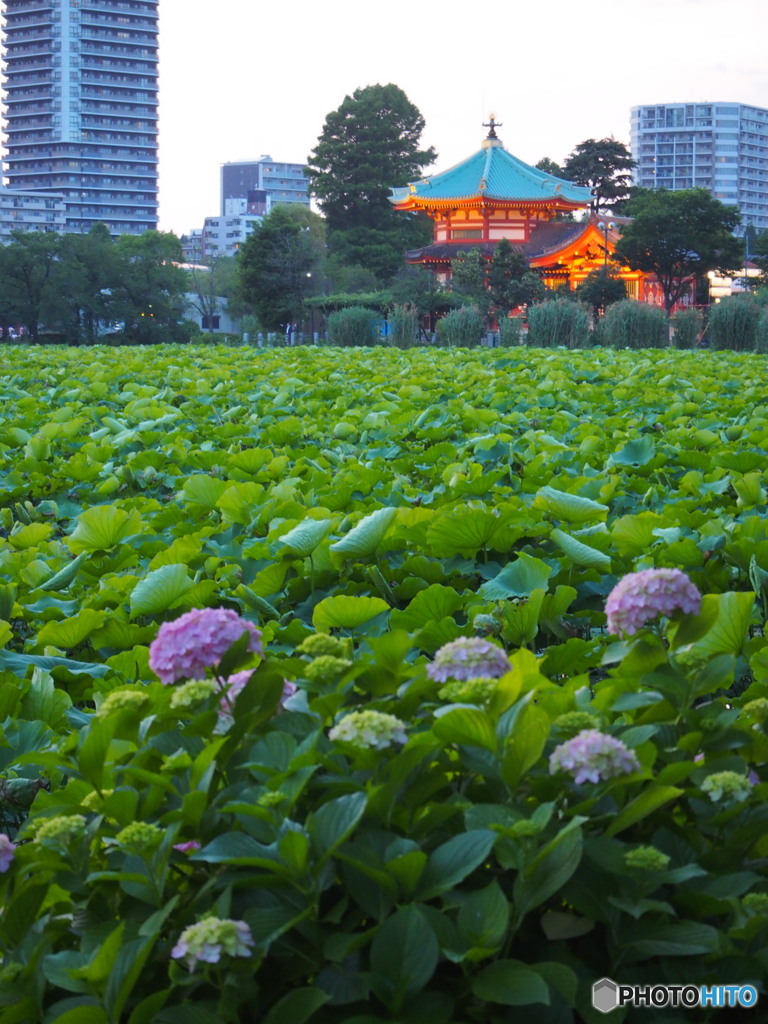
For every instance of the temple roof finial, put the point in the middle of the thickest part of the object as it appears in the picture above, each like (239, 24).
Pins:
(493, 124)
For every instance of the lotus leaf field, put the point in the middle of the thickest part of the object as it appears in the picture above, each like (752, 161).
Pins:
(363, 829)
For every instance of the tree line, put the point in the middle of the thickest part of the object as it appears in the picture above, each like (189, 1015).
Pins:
(81, 288)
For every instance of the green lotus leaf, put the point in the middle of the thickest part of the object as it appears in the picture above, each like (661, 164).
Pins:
(519, 579)
(302, 540)
(102, 528)
(203, 490)
(579, 553)
(363, 539)
(637, 452)
(160, 590)
(70, 633)
(345, 612)
(573, 508)
(461, 531)
(431, 605)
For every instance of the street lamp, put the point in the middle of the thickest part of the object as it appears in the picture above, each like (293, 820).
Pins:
(605, 227)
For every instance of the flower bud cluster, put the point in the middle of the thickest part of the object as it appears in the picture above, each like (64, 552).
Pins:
(369, 729)
(727, 786)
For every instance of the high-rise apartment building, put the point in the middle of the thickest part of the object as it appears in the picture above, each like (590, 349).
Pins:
(722, 147)
(81, 108)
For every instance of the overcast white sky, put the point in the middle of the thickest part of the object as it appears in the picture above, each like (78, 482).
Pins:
(241, 78)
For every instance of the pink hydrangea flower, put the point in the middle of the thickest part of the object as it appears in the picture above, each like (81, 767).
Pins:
(197, 640)
(640, 597)
(593, 756)
(189, 847)
(469, 657)
(7, 850)
(235, 684)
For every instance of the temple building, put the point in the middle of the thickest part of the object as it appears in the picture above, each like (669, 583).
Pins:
(493, 195)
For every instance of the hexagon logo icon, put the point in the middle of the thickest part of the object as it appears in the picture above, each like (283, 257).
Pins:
(605, 995)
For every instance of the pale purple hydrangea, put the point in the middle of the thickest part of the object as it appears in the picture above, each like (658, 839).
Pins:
(640, 597)
(205, 941)
(593, 756)
(7, 850)
(469, 657)
(197, 640)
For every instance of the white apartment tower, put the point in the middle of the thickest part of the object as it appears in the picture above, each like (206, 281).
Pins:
(722, 147)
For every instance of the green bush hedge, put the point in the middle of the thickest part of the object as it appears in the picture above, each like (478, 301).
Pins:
(356, 326)
(733, 323)
(403, 324)
(632, 324)
(558, 322)
(687, 326)
(461, 328)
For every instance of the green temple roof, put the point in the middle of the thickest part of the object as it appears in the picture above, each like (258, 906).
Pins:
(491, 173)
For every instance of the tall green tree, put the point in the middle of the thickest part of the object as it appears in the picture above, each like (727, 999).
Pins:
(149, 294)
(601, 289)
(29, 262)
(549, 166)
(604, 165)
(678, 236)
(84, 275)
(277, 264)
(212, 286)
(369, 145)
(758, 245)
(469, 279)
(510, 280)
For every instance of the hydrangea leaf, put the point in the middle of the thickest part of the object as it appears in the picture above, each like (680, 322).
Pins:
(510, 983)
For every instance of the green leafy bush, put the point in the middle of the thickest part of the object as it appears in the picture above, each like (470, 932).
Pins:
(363, 514)
(461, 328)
(687, 326)
(355, 326)
(733, 323)
(560, 322)
(632, 324)
(388, 838)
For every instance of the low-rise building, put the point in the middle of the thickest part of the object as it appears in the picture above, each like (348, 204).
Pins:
(30, 211)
